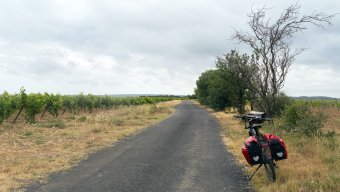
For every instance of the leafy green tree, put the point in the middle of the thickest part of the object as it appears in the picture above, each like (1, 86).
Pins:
(236, 69)
(202, 83)
(214, 90)
(219, 93)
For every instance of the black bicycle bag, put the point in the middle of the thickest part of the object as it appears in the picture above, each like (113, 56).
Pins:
(277, 147)
(252, 151)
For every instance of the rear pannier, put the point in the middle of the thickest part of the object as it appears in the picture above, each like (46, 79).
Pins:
(277, 147)
(251, 151)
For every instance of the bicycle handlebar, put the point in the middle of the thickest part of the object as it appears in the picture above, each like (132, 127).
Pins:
(249, 117)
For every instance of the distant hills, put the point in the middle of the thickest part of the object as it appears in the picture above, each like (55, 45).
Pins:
(165, 95)
(146, 95)
(314, 98)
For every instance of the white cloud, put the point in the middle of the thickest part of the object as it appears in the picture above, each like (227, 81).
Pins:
(138, 46)
(317, 81)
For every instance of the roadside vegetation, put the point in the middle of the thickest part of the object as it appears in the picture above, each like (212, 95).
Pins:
(253, 81)
(313, 154)
(30, 105)
(55, 140)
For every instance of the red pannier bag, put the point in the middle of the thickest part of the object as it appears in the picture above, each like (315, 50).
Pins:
(251, 151)
(277, 147)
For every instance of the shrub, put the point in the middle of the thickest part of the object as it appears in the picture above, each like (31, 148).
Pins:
(299, 117)
(282, 101)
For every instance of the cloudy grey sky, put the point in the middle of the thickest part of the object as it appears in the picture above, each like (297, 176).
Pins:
(146, 46)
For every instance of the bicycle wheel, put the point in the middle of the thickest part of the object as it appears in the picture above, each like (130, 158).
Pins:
(270, 170)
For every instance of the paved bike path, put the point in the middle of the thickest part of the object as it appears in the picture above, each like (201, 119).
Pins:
(182, 153)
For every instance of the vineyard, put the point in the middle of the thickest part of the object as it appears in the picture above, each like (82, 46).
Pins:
(45, 133)
(34, 104)
(320, 103)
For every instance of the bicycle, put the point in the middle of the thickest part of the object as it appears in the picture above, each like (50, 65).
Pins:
(255, 120)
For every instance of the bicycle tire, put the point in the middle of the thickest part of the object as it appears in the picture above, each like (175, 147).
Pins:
(270, 170)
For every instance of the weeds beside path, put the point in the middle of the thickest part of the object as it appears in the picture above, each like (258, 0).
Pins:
(312, 164)
(30, 152)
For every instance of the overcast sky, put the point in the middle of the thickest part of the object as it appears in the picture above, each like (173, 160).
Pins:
(147, 46)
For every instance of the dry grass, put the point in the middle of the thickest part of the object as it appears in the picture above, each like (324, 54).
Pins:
(312, 164)
(333, 123)
(30, 152)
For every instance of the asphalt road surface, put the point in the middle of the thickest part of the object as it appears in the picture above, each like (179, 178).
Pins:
(183, 153)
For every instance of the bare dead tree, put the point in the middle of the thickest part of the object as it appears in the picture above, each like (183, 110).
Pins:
(271, 43)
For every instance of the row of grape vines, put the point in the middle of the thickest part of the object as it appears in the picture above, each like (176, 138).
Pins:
(319, 103)
(36, 103)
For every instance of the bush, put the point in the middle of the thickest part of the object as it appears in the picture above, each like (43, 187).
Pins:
(299, 117)
(282, 101)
